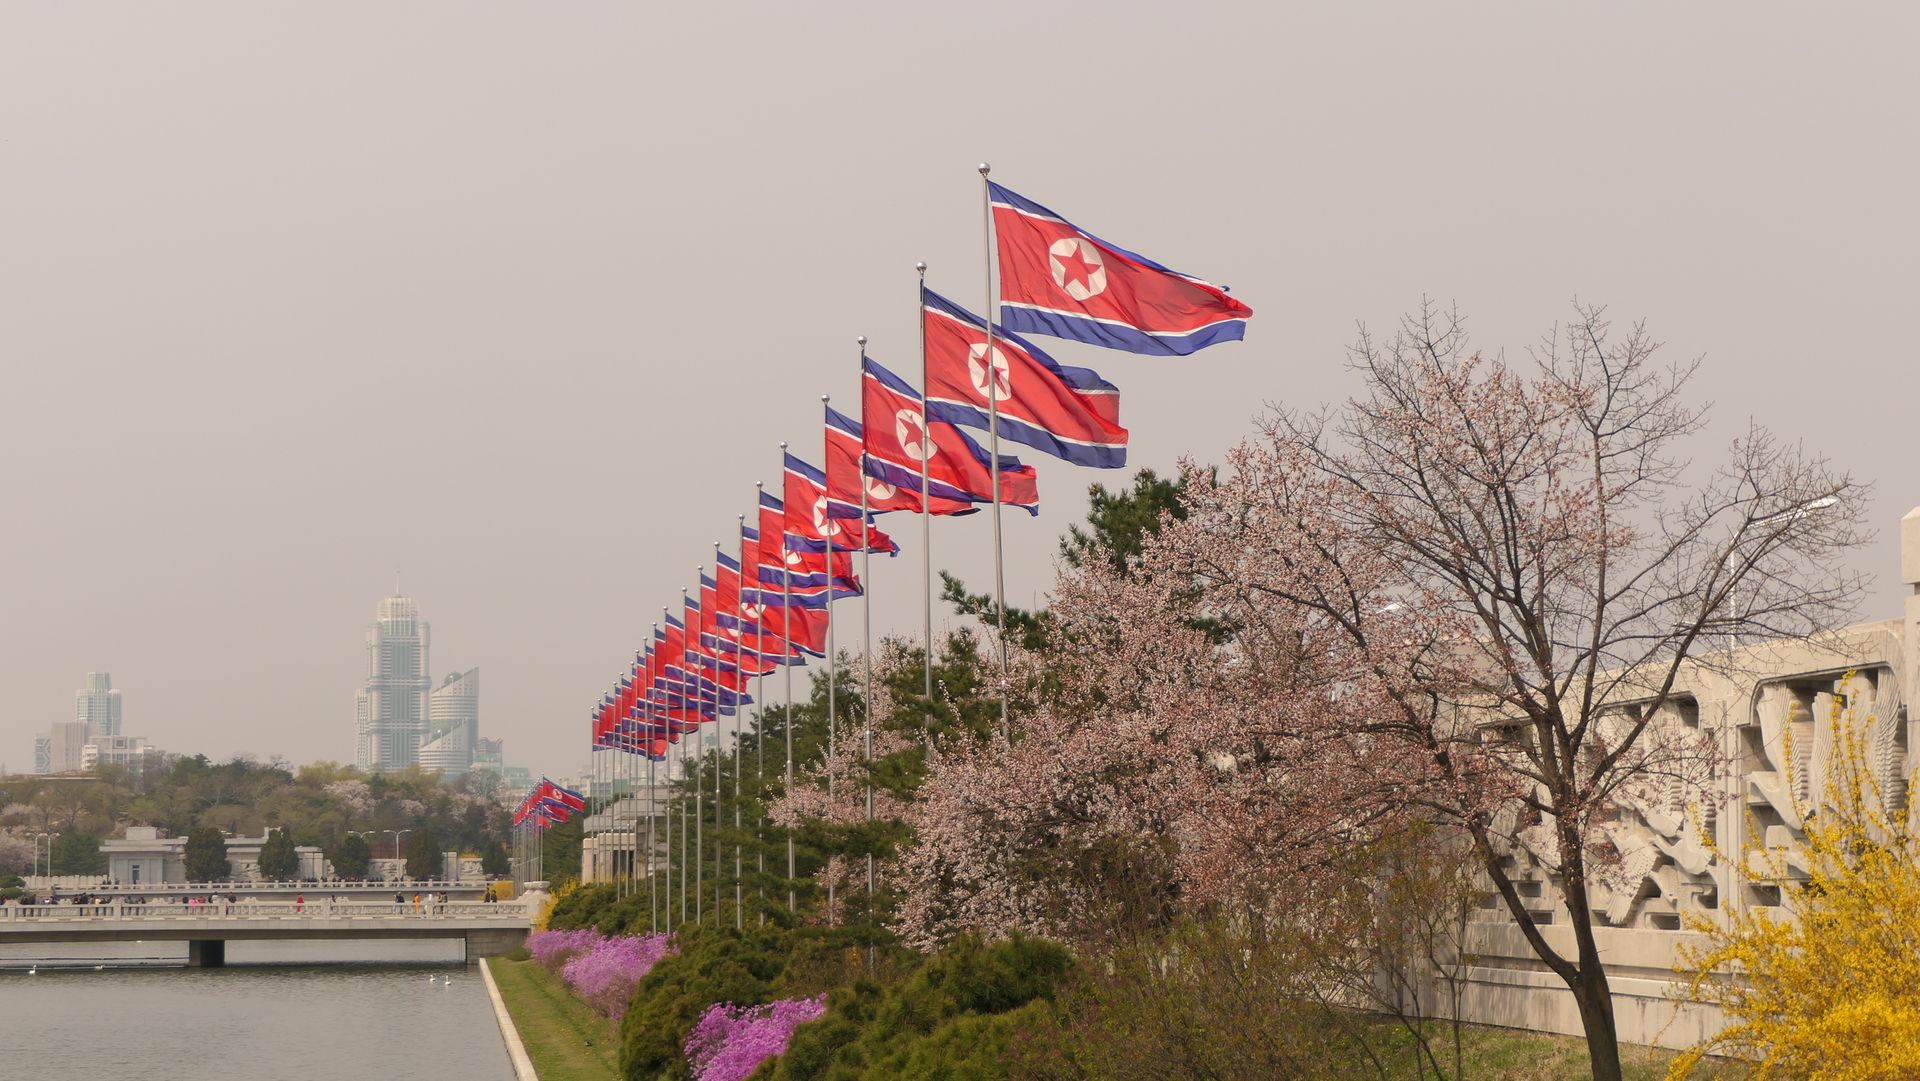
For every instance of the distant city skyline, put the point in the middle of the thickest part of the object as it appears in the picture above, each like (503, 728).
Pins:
(93, 736)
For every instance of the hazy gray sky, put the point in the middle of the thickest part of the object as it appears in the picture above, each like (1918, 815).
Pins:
(519, 299)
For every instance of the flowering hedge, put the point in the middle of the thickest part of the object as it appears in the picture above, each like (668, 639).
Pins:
(605, 975)
(555, 948)
(601, 969)
(730, 1042)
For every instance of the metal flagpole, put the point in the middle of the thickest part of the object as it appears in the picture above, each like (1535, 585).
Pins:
(926, 503)
(666, 719)
(866, 626)
(786, 621)
(760, 721)
(653, 880)
(699, 793)
(686, 772)
(993, 442)
(718, 742)
(739, 767)
(833, 653)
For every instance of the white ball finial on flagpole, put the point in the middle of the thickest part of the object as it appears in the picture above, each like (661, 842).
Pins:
(985, 168)
(861, 341)
(921, 267)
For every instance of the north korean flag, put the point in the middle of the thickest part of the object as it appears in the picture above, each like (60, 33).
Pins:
(1060, 280)
(959, 473)
(846, 440)
(1070, 413)
(813, 523)
(780, 562)
(803, 628)
(567, 797)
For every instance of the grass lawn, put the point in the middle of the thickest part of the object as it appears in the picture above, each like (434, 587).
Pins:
(566, 1040)
(1498, 1054)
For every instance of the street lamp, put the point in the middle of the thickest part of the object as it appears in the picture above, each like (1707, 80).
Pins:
(397, 834)
(1733, 554)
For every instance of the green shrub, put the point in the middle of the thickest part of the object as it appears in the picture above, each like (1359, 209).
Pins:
(712, 966)
(581, 908)
(959, 1016)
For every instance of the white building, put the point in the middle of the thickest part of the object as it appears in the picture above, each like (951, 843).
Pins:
(97, 705)
(132, 752)
(391, 710)
(145, 858)
(66, 743)
(453, 717)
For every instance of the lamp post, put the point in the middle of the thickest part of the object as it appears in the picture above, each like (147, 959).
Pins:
(397, 834)
(1733, 560)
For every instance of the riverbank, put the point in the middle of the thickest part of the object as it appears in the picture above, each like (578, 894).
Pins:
(566, 1040)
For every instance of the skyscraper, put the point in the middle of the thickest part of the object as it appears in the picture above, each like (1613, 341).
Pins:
(391, 709)
(453, 725)
(97, 705)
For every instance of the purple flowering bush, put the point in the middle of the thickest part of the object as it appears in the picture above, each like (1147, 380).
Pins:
(606, 972)
(729, 1042)
(555, 948)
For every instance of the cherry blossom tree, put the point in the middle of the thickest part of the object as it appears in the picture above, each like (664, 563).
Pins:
(1465, 596)
(1513, 564)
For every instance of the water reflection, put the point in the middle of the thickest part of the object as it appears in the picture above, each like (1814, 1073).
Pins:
(338, 1021)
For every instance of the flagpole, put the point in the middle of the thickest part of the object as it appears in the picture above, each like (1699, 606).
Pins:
(673, 743)
(699, 792)
(760, 718)
(993, 440)
(866, 632)
(653, 882)
(739, 767)
(926, 502)
(786, 621)
(833, 652)
(718, 738)
(686, 772)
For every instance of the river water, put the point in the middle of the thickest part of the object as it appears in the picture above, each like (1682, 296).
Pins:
(389, 1023)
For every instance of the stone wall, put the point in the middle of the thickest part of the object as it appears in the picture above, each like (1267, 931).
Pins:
(1765, 709)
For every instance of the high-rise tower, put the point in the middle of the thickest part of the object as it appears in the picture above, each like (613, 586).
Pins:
(453, 728)
(391, 709)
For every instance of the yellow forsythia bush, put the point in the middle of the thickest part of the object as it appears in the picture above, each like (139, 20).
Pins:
(1829, 990)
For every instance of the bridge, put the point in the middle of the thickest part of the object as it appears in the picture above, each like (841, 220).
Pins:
(484, 929)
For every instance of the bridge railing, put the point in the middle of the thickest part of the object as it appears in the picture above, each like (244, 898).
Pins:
(318, 908)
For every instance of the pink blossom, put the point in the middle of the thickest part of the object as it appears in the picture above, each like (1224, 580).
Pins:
(605, 974)
(730, 1042)
(555, 948)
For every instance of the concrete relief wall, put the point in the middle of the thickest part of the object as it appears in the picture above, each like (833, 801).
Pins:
(1755, 748)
